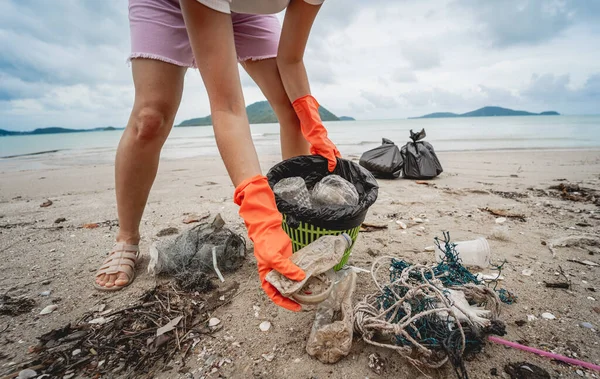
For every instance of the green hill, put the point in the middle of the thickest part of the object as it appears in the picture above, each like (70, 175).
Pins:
(488, 112)
(258, 113)
(347, 118)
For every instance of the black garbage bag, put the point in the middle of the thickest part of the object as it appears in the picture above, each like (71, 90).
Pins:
(384, 161)
(313, 168)
(420, 161)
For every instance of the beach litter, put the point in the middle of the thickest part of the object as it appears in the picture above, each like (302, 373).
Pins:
(430, 314)
(140, 340)
(193, 218)
(194, 255)
(14, 306)
(46, 204)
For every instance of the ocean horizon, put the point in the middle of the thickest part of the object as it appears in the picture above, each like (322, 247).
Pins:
(351, 137)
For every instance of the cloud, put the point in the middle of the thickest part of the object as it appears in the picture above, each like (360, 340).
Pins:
(63, 63)
(380, 101)
(527, 22)
(404, 76)
(421, 57)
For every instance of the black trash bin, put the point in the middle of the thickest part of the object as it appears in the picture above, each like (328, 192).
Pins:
(304, 225)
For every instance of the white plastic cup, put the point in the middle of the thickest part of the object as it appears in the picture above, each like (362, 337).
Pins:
(472, 253)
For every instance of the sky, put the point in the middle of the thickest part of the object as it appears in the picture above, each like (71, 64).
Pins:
(64, 63)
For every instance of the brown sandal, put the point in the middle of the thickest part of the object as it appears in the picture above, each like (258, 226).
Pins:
(122, 259)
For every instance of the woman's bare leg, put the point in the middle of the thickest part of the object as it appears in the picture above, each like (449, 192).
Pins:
(158, 89)
(265, 73)
(211, 37)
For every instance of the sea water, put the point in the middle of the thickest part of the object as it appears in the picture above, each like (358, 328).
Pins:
(351, 137)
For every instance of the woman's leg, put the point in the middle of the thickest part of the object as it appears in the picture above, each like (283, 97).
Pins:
(265, 73)
(158, 89)
(211, 37)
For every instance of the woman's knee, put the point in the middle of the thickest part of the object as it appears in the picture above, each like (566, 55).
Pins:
(152, 123)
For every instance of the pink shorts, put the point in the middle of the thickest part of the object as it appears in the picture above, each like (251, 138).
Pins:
(158, 32)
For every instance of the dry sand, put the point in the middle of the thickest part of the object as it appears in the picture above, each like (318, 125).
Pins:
(34, 252)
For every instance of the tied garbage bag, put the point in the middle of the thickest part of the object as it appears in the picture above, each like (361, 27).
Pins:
(420, 161)
(383, 162)
(205, 249)
(334, 190)
(314, 168)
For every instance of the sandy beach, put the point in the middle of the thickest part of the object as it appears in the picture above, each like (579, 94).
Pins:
(38, 255)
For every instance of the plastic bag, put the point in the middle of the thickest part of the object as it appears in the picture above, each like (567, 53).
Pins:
(192, 255)
(420, 160)
(330, 338)
(312, 169)
(383, 162)
(334, 190)
(294, 191)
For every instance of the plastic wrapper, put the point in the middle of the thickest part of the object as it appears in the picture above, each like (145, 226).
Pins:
(334, 190)
(312, 169)
(314, 259)
(420, 160)
(384, 161)
(194, 254)
(294, 191)
(330, 338)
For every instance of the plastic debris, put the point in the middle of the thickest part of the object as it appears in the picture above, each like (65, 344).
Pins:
(315, 259)
(587, 325)
(213, 322)
(294, 191)
(49, 309)
(265, 326)
(548, 316)
(45, 293)
(501, 220)
(527, 272)
(334, 190)
(531, 318)
(330, 338)
(268, 357)
(204, 249)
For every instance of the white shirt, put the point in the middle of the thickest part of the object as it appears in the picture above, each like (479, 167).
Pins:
(251, 6)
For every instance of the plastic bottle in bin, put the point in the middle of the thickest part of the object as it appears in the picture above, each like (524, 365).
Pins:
(294, 191)
(334, 190)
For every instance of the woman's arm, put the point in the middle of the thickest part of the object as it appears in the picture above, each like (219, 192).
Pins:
(299, 18)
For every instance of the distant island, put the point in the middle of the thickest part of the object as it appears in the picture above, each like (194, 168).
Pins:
(258, 113)
(488, 112)
(262, 113)
(54, 130)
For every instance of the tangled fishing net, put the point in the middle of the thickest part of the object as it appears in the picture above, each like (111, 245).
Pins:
(430, 314)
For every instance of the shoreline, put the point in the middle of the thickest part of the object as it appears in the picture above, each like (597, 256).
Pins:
(40, 161)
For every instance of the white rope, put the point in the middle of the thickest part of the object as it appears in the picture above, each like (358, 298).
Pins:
(371, 317)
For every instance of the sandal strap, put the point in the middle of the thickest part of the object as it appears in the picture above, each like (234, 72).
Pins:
(120, 260)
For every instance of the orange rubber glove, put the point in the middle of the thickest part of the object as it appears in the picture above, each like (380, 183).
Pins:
(307, 110)
(272, 247)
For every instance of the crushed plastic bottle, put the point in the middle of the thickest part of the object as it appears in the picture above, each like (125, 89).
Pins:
(294, 191)
(315, 259)
(334, 190)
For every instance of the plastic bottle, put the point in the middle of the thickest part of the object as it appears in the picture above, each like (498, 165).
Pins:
(316, 258)
(294, 191)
